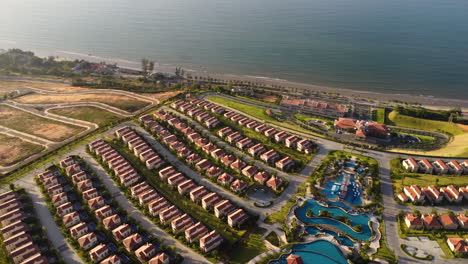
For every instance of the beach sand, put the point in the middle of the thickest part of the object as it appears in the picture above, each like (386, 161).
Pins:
(427, 101)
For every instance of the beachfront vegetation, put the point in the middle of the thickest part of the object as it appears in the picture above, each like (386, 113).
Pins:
(14, 149)
(379, 115)
(88, 113)
(401, 120)
(424, 113)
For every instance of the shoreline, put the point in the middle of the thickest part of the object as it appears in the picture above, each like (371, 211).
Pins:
(427, 101)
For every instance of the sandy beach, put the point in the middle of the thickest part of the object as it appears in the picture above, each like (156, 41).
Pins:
(425, 100)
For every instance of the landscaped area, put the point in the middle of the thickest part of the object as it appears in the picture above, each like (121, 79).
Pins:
(424, 124)
(87, 113)
(119, 101)
(36, 125)
(13, 149)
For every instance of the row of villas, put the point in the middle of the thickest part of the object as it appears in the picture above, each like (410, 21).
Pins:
(17, 241)
(458, 245)
(440, 167)
(434, 195)
(111, 221)
(159, 207)
(432, 221)
(220, 155)
(193, 159)
(311, 106)
(65, 206)
(196, 111)
(195, 192)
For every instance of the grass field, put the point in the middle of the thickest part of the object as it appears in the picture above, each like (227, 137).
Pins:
(13, 149)
(36, 125)
(424, 124)
(379, 115)
(119, 101)
(51, 86)
(257, 112)
(457, 147)
(271, 100)
(87, 113)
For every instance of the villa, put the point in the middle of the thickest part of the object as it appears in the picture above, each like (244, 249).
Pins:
(238, 186)
(225, 132)
(454, 167)
(79, 230)
(208, 148)
(440, 167)
(114, 259)
(88, 241)
(237, 218)
(261, 177)
(184, 152)
(71, 219)
(158, 206)
(104, 212)
(181, 223)
(294, 259)
(122, 231)
(425, 166)
(194, 232)
(228, 159)
(413, 221)
(463, 221)
(274, 182)
(284, 163)
(140, 188)
(261, 128)
(257, 150)
(169, 214)
(13, 229)
(281, 136)
(411, 165)
(414, 193)
(197, 193)
(252, 125)
(433, 194)
(59, 199)
(176, 179)
(431, 221)
(249, 171)
(99, 253)
(167, 172)
(132, 242)
(291, 141)
(270, 132)
(223, 208)
(24, 252)
(458, 244)
(303, 144)
(218, 153)
(225, 178)
(244, 143)
(12, 216)
(194, 136)
(210, 200)
(238, 165)
(203, 165)
(111, 222)
(16, 241)
(270, 156)
(148, 196)
(210, 241)
(96, 203)
(448, 221)
(186, 186)
(402, 197)
(211, 122)
(234, 137)
(214, 171)
(451, 194)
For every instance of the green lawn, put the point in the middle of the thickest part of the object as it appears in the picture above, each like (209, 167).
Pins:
(253, 247)
(273, 239)
(255, 100)
(378, 115)
(87, 113)
(424, 124)
(384, 252)
(257, 112)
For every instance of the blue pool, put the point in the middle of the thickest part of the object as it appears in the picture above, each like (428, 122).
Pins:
(355, 219)
(353, 195)
(321, 251)
(344, 240)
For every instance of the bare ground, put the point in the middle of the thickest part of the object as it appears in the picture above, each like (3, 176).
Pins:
(161, 97)
(36, 125)
(50, 86)
(13, 150)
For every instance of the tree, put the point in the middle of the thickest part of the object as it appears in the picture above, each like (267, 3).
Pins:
(144, 65)
(151, 67)
(12, 186)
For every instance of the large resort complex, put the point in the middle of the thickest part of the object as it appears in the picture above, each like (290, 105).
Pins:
(180, 169)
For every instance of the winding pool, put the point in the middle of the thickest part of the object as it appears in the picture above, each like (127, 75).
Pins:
(345, 241)
(360, 219)
(320, 251)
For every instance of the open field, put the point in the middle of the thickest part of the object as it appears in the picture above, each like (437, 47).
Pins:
(119, 101)
(424, 124)
(161, 97)
(457, 147)
(87, 113)
(264, 99)
(51, 86)
(257, 112)
(36, 125)
(13, 149)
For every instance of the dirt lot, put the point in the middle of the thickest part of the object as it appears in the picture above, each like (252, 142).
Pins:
(59, 87)
(13, 150)
(463, 127)
(161, 96)
(36, 125)
(87, 113)
(266, 98)
(119, 101)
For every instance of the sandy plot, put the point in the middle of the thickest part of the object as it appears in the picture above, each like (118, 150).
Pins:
(51, 86)
(458, 147)
(13, 150)
(119, 101)
(266, 98)
(36, 125)
(161, 96)
(463, 127)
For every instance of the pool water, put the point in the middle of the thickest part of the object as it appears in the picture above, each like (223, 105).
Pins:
(359, 219)
(344, 240)
(331, 188)
(320, 251)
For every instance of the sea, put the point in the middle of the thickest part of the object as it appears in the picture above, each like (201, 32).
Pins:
(415, 47)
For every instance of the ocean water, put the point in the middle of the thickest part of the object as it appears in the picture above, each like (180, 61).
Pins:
(417, 47)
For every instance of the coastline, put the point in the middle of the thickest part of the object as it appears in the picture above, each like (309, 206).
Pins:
(426, 101)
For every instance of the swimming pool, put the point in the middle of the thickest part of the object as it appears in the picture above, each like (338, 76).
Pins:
(353, 195)
(343, 239)
(320, 251)
(360, 219)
